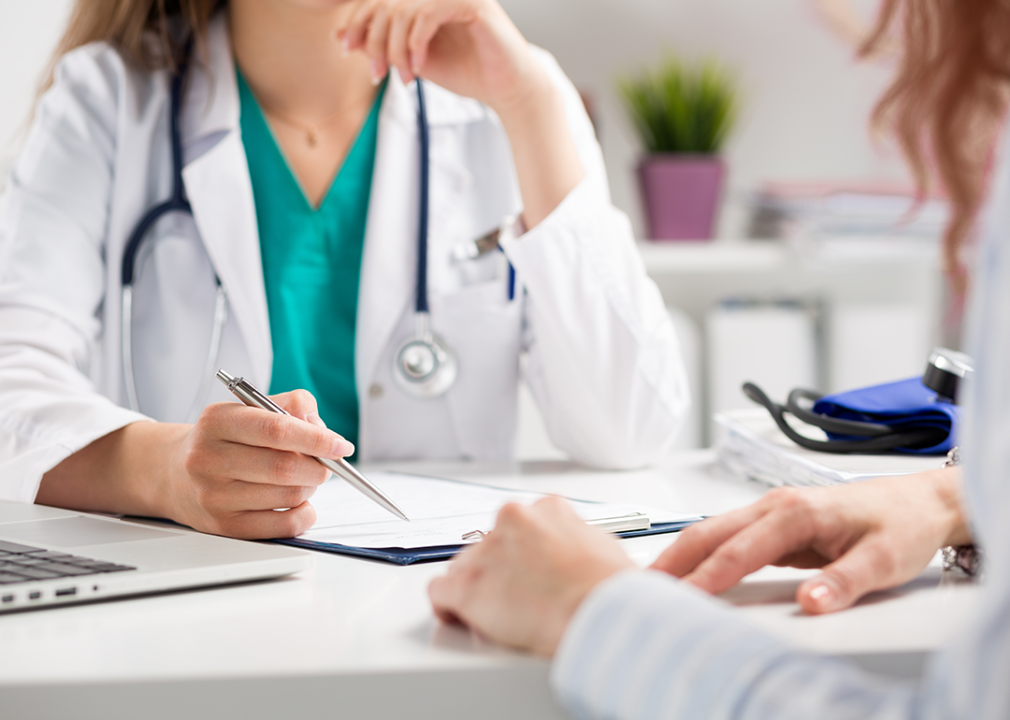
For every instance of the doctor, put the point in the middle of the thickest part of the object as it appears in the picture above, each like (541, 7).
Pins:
(303, 264)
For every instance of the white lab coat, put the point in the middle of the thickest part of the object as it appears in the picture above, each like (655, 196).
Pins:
(603, 360)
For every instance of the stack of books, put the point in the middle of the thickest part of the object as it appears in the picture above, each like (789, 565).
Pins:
(750, 446)
(849, 219)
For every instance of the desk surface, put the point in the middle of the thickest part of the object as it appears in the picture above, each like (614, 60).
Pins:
(358, 636)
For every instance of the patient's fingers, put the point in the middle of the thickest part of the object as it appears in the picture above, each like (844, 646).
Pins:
(699, 541)
(773, 536)
(871, 564)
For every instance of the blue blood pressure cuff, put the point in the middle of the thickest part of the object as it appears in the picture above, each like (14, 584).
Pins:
(906, 407)
(899, 417)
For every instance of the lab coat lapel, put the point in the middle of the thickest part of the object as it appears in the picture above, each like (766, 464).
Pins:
(389, 259)
(217, 183)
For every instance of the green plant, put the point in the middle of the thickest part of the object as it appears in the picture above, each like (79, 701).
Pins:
(681, 107)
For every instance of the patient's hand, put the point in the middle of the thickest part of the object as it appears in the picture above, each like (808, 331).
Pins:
(867, 536)
(521, 585)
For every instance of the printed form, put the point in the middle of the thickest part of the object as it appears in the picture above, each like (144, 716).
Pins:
(441, 511)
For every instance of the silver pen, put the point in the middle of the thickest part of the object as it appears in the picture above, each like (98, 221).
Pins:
(252, 397)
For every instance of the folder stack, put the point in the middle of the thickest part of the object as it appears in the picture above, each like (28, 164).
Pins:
(751, 447)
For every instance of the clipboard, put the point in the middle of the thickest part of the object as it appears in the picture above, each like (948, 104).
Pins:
(403, 556)
(347, 524)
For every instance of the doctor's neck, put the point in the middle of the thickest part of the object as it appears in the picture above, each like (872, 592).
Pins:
(288, 55)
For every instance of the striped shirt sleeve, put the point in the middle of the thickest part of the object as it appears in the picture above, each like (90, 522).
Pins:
(643, 645)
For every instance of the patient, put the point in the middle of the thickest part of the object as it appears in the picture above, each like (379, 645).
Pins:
(631, 643)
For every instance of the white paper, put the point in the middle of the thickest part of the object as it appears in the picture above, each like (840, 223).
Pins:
(753, 446)
(440, 511)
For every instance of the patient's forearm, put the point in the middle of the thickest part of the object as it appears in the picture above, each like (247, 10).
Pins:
(948, 483)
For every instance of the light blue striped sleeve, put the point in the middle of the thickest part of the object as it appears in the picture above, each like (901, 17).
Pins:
(644, 646)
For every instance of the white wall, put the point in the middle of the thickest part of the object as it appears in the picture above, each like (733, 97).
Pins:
(806, 100)
(28, 32)
(805, 106)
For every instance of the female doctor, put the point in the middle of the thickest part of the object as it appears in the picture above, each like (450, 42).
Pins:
(318, 243)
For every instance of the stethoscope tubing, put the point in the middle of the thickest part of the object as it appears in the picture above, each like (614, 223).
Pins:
(424, 141)
(177, 203)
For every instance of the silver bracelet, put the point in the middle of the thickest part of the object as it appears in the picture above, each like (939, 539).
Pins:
(966, 558)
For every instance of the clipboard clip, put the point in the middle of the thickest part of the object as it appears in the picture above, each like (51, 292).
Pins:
(621, 523)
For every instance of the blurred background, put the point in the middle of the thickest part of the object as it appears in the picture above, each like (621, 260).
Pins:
(833, 292)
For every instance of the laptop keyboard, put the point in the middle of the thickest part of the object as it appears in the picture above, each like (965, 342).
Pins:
(24, 563)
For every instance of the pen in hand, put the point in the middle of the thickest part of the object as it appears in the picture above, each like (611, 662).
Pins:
(247, 393)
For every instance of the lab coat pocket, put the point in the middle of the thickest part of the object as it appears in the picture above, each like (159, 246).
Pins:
(484, 330)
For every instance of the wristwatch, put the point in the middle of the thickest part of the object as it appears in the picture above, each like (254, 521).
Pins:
(966, 558)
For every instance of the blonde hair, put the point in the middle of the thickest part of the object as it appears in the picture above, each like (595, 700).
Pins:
(143, 31)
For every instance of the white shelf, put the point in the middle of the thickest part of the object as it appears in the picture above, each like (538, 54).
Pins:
(736, 257)
(715, 256)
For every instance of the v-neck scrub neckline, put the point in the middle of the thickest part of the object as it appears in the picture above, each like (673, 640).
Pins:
(311, 263)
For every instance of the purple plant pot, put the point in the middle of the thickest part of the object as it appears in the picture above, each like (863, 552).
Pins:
(681, 194)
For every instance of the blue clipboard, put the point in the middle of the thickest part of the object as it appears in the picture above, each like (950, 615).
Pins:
(403, 556)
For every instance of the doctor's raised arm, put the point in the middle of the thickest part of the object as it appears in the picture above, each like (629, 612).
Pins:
(604, 363)
(371, 209)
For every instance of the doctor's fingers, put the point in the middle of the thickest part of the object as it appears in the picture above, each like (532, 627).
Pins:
(300, 403)
(397, 32)
(224, 498)
(237, 423)
(366, 29)
(265, 524)
(429, 19)
(232, 461)
(398, 53)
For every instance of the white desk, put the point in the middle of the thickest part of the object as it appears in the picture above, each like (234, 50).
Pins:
(356, 639)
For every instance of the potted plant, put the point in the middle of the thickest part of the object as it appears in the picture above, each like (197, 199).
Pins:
(683, 113)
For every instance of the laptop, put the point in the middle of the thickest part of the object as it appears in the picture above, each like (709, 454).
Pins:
(52, 557)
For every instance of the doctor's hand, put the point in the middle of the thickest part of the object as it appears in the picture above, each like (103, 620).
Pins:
(472, 48)
(866, 536)
(469, 47)
(521, 585)
(237, 466)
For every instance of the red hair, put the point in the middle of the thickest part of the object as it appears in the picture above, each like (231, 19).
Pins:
(948, 102)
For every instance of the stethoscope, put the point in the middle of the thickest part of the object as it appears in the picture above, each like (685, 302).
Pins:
(424, 366)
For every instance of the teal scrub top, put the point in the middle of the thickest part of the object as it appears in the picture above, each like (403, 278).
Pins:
(311, 264)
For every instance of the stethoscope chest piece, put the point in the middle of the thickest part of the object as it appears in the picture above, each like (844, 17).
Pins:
(425, 366)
